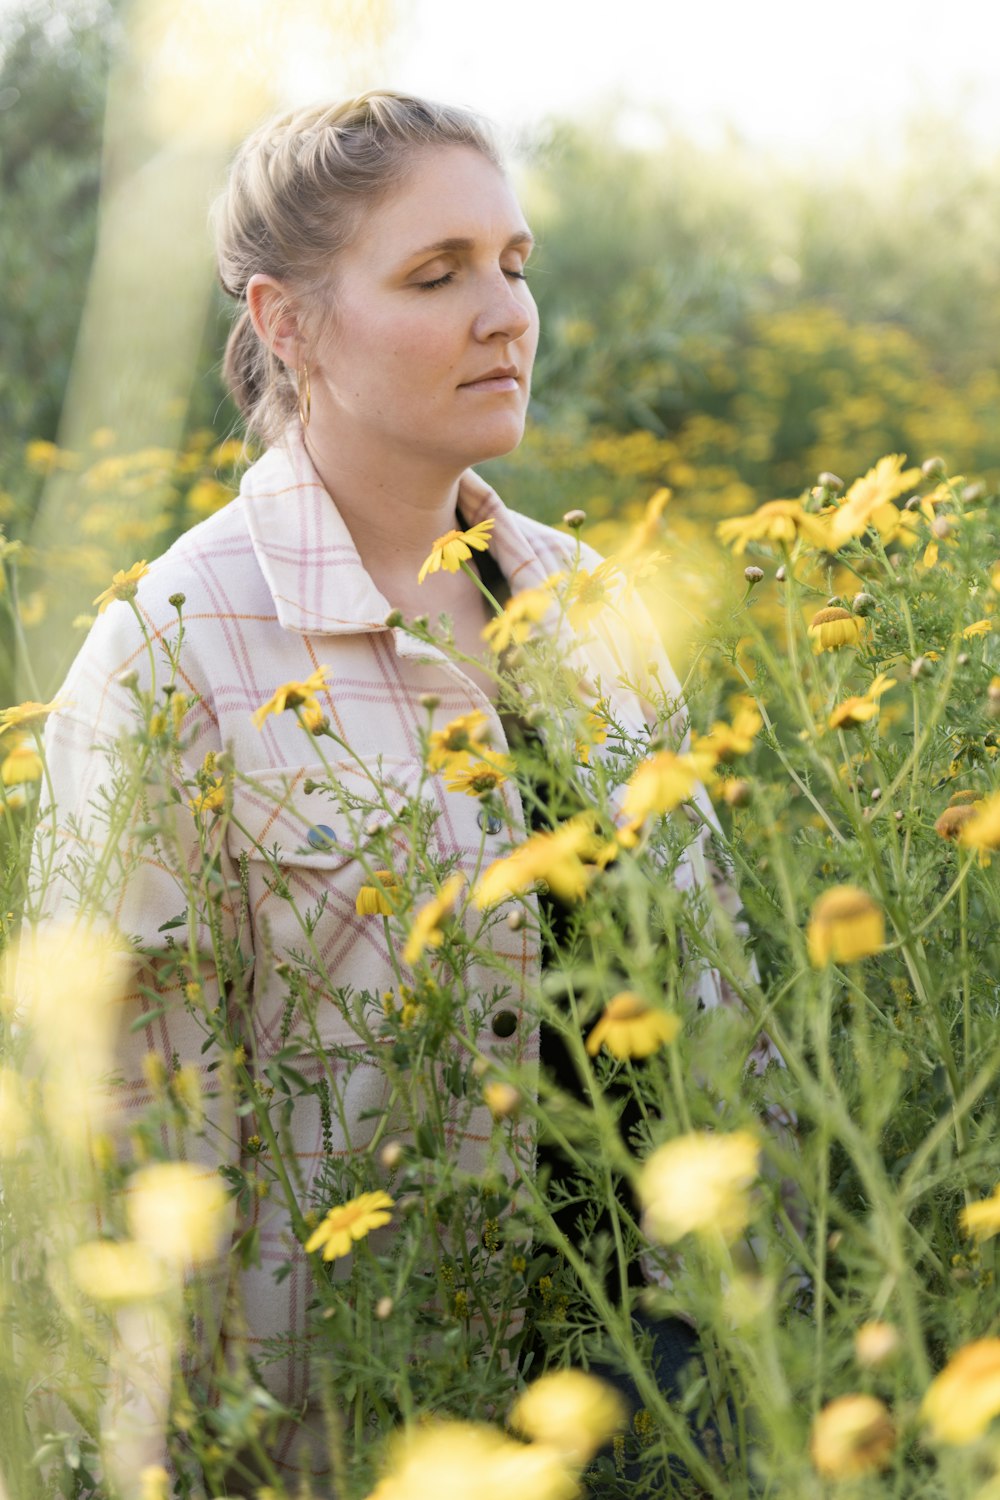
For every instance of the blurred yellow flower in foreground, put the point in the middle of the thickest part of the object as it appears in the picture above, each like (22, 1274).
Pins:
(954, 818)
(589, 592)
(833, 627)
(22, 765)
(779, 521)
(868, 502)
(462, 1460)
(521, 614)
(178, 1210)
(978, 627)
(118, 1272)
(983, 831)
(374, 899)
(452, 549)
(348, 1222)
(571, 1411)
(982, 1220)
(845, 925)
(961, 1402)
(468, 734)
(699, 1184)
(661, 783)
(852, 1435)
(501, 1099)
(28, 715)
(154, 1483)
(851, 712)
(631, 1028)
(295, 695)
(426, 930)
(124, 585)
(557, 857)
(724, 742)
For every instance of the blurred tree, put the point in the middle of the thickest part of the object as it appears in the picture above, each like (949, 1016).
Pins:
(54, 61)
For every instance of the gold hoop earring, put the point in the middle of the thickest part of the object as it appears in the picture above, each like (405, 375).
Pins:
(304, 393)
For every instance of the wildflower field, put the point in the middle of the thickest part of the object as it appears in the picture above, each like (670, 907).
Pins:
(768, 908)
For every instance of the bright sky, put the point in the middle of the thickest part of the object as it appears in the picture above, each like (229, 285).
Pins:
(822, 76)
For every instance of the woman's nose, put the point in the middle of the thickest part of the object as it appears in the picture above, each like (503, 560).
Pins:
(508, 309)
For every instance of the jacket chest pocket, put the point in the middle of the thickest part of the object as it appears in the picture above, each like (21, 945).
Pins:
(311, 838)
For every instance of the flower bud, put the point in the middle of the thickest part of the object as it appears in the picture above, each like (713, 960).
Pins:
(177, 600)
(391, 1155)
(429, 700)
(129, 680)
(919, 667)
(863, 604)
(516, 920)
(737, 793)
(875, 794)
(574, 519)
(780, 576)
(829, 481)
(753, 575)
(912, 503)
(974, 492)
(942, 526)
(502, 1099)
(394, 619)
(874, 1344)
(383, 1308)
(933, 468)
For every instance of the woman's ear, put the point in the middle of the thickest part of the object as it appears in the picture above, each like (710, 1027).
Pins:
(275, 318)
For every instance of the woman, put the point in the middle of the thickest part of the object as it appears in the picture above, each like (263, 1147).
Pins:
(384, 343)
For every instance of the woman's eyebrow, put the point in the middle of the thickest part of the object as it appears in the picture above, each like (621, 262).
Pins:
(523, 237)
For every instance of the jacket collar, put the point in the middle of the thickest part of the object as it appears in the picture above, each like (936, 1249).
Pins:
(310, 563)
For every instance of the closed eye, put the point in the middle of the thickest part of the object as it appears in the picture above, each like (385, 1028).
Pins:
(430, 286)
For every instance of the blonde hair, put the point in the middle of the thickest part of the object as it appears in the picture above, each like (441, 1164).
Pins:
(297, 190)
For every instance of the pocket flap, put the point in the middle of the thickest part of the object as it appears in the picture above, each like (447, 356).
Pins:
(317, 816)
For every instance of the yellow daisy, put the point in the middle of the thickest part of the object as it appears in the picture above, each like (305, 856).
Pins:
(426, 929)
(477, 778)
(631, 1028)
(373, 900)
(348, 1222)
(452, 549)
(124, 585)
(295, 695)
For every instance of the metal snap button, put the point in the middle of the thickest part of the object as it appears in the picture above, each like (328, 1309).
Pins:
(504, 1023)
(488, 821)
(321, 836)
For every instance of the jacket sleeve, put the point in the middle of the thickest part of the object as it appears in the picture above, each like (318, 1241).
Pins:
(120, 849)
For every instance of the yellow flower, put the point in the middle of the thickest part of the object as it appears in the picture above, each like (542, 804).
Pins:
(556, 857)
(373, 900)
(875, 1344)
(644, 534)
(456, 1460)
(521, 613)
(983, 831)
(571, 1411)
(295, 695)
(851, 712)
(961, 1401)
(845, 925)
(979, 627)
(868, 502)
(631, 1028)
(477, 778)
(154, 1483)
(982, 1220)
(469, 733)
(662, 783)
(452, 549)
(124, 585)
(781, 521)
(426, 929)
(178, 1210)
(699, 1184)
(833, 627)
(210, 799)
(589, 593)
(109, 1272)
(724, 742)
(28, 715)
(348, 1222)
(21, 765)
(954, 818)
(596, 732)
(852, 1435)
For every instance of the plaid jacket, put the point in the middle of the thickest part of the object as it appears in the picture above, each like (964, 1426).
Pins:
(274, 588)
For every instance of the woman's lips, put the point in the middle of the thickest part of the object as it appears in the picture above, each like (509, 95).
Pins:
(492, 383)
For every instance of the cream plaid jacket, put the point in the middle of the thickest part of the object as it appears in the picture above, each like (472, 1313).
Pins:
(274, 588)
